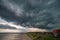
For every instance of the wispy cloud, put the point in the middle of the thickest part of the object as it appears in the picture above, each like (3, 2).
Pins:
(13, 7)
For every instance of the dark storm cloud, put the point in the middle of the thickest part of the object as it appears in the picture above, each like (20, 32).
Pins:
(36, 13)
(6, 27)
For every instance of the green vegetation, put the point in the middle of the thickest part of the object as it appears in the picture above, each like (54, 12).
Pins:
(50, 37)
(35, 36)
(42, 36)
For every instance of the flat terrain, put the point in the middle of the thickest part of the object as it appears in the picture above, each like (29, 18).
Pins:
(28, 36)
(14, 36)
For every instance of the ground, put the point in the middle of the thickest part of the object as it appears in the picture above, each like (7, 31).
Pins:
(28, 36)
(42, 36)
(14, 36)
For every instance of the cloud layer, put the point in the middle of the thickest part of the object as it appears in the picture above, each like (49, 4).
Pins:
(43, 14)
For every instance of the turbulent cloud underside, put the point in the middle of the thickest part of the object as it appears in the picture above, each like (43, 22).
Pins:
(43, 14)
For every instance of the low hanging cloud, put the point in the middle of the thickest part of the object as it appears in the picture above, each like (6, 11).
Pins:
(11, 27)
(8, 24)
(43, 14)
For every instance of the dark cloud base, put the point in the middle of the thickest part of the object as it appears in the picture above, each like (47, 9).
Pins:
(34, 15)
(6, 27)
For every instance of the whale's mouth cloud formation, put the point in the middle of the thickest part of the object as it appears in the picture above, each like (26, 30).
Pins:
(43, 14)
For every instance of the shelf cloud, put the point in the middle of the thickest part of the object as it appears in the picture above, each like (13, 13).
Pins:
(41, 14)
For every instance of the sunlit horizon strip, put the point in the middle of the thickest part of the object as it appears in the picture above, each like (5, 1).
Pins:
(19, 27)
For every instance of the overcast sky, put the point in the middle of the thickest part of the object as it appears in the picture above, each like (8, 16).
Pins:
(41, 14)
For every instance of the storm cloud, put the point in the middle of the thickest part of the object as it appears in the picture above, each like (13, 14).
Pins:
(44, 14)
(6, 27)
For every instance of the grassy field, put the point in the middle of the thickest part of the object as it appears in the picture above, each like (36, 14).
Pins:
(42, 36)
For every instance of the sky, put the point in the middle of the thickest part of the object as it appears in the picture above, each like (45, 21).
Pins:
(25, 14)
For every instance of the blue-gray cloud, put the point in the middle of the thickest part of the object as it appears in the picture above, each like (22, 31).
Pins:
(43, 14)
(6, 27)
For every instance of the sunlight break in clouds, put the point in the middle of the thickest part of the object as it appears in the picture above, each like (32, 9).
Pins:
(37, 30)
(19, 28)
(3, 22)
